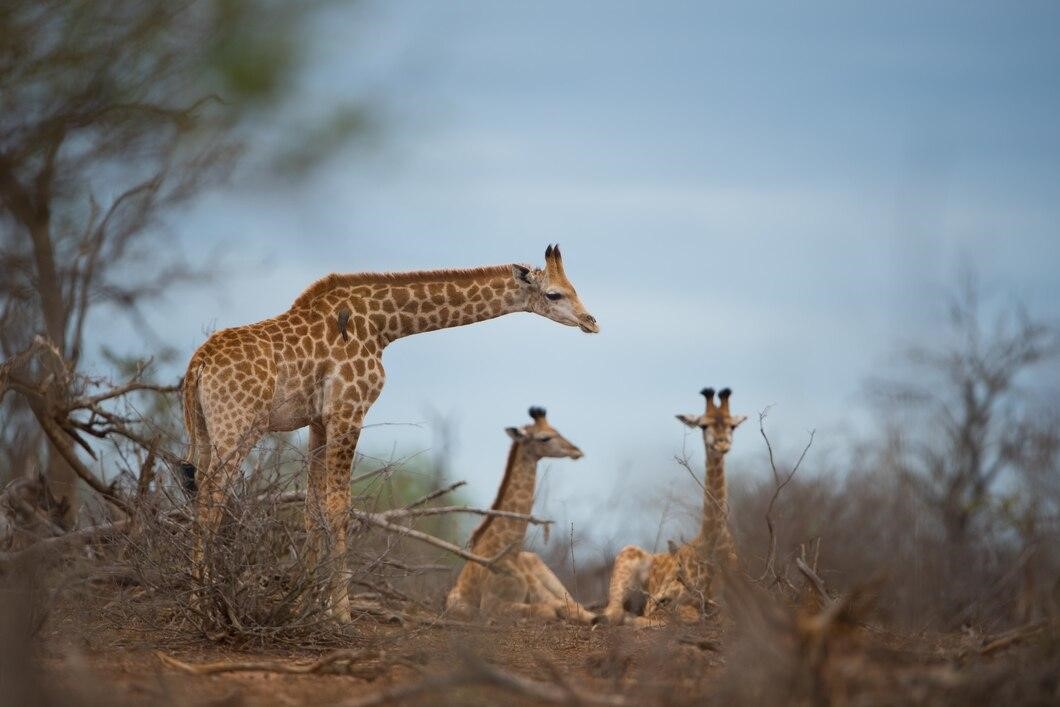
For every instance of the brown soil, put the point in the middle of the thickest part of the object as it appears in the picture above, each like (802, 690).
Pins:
(704, 664)
(122, 669)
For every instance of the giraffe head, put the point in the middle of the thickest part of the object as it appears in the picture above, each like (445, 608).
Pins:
(717, 422)
(552, 295)
(542, 439)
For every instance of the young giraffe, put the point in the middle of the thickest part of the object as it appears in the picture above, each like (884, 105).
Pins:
(681, 580)
(319, 364)
(520, 584)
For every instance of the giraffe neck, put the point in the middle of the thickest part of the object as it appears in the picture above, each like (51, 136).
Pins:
(516, 494)
(714, 532)
(390, 306)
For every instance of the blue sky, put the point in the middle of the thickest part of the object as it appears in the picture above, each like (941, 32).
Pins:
(774, 197)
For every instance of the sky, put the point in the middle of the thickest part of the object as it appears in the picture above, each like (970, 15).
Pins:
(772, 197)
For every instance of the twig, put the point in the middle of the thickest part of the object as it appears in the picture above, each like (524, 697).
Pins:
(441, 510)
(813, 578)
(435, 494)
(779, 486)
(59, 440)
(381, 522)
(91, 401)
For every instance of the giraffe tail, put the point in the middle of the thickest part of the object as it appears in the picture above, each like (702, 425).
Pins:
(187, 479)
(195, 424)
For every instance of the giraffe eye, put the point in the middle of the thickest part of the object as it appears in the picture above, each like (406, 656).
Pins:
(554, 296)
(546, 438)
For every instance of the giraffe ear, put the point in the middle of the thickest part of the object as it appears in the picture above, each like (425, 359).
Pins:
(515, 433)
(737, 420)
(524, 274)
(690, 420)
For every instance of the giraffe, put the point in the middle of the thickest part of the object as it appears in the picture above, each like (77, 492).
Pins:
(319, 364)
(520, 584)
(681, 580)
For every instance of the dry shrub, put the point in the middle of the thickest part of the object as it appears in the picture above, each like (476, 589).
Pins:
(259, 588)
(865, 525)
(263, 587)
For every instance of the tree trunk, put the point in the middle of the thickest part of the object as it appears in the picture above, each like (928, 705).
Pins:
(62, 480)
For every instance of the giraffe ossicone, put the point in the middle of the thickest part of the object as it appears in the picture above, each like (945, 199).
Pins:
(319, 364)
(681, 582)
(519, 584)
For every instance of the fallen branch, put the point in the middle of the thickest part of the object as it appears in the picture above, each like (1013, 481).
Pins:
(78, 536)
(1012, 637)
(347, 657)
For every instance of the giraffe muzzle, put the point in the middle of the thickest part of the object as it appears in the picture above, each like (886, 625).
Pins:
(588, 324)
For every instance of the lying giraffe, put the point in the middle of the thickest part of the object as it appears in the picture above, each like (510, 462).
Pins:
(680, 581)
(520, 584)
(319, 364)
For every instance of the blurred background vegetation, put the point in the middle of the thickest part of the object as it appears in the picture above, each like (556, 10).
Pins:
(113, 117)
(118, 118)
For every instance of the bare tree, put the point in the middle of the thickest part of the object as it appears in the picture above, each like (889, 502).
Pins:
(112, 113)
(964, 418)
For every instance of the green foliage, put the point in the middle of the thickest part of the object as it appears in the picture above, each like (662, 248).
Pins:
(407, 482)
(254, 49)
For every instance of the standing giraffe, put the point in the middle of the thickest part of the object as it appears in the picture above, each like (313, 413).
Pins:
(681, 580)
(520, 583)
(319, 364)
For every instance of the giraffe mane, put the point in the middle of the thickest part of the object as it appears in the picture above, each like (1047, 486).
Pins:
(330, 282)
(484, 525)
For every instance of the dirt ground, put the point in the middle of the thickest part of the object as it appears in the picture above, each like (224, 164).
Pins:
(572, 664)
(120, 669)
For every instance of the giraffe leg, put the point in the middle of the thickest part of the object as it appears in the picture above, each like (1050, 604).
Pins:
(316, 492)
(553, 589)
(228, 434)
(343, 431)
(630, 575)
(462, 600)
(521, 609)
(498, 605)
(506, 593)
(457, 606)
(210, 499)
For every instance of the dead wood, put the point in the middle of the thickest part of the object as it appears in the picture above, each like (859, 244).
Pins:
(58, 542)
(779, 485)
(1010, 638)
(813, 579)
(347, 662)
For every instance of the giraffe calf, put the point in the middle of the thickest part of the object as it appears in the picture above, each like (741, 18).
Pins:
(519, 584)
(645, 586)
